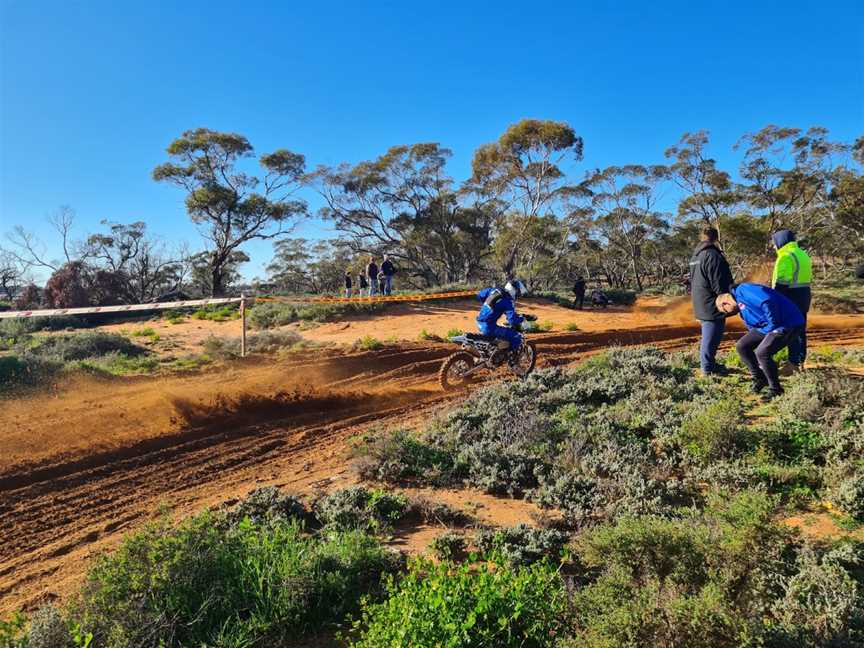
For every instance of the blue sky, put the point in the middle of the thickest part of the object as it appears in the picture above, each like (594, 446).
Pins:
(92, 92)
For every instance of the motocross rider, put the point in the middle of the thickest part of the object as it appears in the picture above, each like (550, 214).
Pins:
(498, 302)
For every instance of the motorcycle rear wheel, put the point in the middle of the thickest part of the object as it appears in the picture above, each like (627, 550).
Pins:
(451, 375)
(526, 359)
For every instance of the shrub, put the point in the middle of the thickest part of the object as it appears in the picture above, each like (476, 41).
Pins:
(715, 431)
(268, 504)
(448, 546)
(48, 629)
(80, 346)
(704, 580)
(453, 332)
(572, 326)
(461, 606)
(522, 544)
(399, 456)
(368, 343)
(621, 296)
(359, 508)
(206, 583)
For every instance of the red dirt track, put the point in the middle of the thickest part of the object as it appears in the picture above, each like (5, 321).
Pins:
(84, 464)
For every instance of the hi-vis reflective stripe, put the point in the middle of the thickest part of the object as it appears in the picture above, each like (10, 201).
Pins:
(120, 309)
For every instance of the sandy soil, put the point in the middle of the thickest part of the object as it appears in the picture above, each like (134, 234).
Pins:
(85, 463)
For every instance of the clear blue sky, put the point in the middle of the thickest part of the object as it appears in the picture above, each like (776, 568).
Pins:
(92, 92)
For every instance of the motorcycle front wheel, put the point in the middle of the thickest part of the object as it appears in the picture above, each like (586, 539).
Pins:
(451, 376)
(526, 358)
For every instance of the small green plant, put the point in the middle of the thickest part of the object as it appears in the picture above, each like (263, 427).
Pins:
(148, 333)
(572, 326)
(368, 343)
(426, 336)
(545, 326)
(453, 332)
(358, 508)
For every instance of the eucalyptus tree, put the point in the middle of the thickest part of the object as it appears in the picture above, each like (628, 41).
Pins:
(403, 203)
(523, 176)
(230, 205)
(709, 193)
(624, 200)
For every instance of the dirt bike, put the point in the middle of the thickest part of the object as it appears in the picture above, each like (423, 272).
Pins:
(481, 352)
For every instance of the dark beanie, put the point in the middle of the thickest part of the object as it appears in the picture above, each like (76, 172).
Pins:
(782, 237)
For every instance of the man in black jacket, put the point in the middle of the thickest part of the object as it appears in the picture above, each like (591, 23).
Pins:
(710, 276)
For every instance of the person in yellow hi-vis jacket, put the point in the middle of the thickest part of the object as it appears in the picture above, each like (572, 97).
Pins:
(793, 274)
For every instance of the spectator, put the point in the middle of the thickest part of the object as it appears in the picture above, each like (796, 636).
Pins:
(793, 273)
(380, 283)
(372, 276)
(772, 321)
(361, 283)
(387, 272)
(348, 283)
(710, 276)
(859, 271)
(579, 291)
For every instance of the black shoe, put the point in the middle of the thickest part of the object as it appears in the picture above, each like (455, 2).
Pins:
(718, 370)
(758, 385)
(771, 394)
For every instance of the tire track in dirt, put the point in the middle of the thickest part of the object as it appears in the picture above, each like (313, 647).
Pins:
(58, 512)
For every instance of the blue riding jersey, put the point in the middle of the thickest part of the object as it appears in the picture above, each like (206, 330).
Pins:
(497, 302)
(765, 309)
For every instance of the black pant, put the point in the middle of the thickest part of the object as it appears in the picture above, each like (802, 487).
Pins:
(801, 298)
(579, 301)
(757, 351)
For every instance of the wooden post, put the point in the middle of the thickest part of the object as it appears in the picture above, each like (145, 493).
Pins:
(243, 320)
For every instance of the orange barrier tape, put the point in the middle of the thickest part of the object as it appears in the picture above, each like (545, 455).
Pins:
(366, 300)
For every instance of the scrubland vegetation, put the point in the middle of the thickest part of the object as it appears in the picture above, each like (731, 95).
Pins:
(665, 499)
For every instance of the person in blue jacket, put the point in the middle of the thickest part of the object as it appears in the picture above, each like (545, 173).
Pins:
(772, 320)
(498, 302)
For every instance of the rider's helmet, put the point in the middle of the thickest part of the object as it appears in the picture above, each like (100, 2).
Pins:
(515, 289)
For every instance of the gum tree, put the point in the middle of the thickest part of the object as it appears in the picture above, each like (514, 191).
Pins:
(230, 206)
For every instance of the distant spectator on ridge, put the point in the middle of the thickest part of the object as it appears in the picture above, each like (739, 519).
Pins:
(579, 291)
(372, 276)
(348, 282)
(387, 272)
(362, 285)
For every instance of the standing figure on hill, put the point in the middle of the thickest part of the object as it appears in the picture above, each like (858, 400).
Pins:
(362, 285)
(773, 322)
(710, 276)
(348, 282)
(372, 276)
(579, 291)
(387, 272)
(793, 273)
(498, 302)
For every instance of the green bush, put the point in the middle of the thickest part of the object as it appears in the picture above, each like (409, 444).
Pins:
(461, 606)
(359, 508)
(705, 580)
(206, 583)
(273, 314)
(522, 544)
(716, 431)
(449, 546)
(80, 346)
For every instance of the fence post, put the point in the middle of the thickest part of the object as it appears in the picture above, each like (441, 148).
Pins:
(243, 320)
